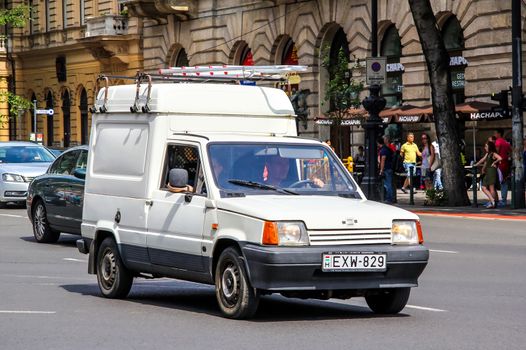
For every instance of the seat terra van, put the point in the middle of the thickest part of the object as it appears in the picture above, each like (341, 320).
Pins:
(210, 183)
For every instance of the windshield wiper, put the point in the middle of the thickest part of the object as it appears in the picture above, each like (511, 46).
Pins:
(260, 186)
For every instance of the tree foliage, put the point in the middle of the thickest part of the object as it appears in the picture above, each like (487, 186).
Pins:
(16, 16)
(342, 92)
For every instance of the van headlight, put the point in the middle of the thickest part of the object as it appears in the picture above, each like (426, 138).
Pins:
(406, 232)
(285, 233)
(13, 178)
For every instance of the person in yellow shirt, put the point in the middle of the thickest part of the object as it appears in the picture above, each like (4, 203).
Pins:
(409, 151)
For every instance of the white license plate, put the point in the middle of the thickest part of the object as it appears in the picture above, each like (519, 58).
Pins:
(343, 261)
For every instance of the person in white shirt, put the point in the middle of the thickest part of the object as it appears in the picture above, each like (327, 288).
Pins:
(437, 176)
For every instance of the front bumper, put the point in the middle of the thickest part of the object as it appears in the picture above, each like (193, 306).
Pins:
(13, 191)
(299, 268)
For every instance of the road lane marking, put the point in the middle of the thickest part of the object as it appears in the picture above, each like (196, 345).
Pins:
(26, 312)
(13, 216)
(73, 259)
(425, 308)
(46, 277)
(443, 251)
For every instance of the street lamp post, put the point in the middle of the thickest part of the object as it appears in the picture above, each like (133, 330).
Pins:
(374, 104)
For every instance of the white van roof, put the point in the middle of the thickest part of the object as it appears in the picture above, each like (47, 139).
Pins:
(199, 98)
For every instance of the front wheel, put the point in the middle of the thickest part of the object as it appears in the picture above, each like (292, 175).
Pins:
(236, 298)
(41, 230)
(389, 301)
(114, 279)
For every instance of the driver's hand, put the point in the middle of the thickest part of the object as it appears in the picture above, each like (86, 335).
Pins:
(318, 182)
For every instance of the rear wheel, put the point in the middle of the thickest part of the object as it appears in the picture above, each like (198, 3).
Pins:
(41, 230)
(114, 279)
(389, 301)
(236, 298)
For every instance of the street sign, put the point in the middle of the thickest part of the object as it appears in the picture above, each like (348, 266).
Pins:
(376, 70)
(45, 111)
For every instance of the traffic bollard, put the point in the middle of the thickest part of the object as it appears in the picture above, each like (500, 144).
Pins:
(474, 184)
(411, 192)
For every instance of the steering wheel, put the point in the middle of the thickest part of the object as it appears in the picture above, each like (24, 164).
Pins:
(303, 183)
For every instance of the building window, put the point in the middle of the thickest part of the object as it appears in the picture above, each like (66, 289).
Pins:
(392, 49)
(182, 59)
(82, 12)
(64, 13)
(48, 15)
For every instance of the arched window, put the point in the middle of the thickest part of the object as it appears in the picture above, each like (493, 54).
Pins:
(66, 113)
(241, 54)
(50, 127)
(83, 117)
(454, 42)
(182, 59)
(392, 49)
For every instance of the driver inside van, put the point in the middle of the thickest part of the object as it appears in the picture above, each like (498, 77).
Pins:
(276, 173)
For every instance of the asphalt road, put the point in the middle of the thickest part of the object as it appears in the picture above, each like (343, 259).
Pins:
(471, 296)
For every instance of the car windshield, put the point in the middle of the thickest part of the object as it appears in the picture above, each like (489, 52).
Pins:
(279, 168)
(25, 154)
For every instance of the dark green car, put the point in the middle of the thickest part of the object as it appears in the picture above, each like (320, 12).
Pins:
(54, 199)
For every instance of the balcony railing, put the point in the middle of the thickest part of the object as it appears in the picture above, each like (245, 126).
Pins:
(106, 25)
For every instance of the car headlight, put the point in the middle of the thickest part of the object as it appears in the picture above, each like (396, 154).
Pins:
(285, 233)
(13, 178)
(406, 232)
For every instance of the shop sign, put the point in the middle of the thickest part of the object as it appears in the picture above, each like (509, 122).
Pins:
(458, 80)
(294, 78)
(408, 118)
(458, 61)
(394, 67)
(486, 116)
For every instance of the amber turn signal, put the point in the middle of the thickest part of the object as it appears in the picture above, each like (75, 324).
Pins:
(270, 233)
(419, 231)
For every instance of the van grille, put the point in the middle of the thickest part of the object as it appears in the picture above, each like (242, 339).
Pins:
(350, 237)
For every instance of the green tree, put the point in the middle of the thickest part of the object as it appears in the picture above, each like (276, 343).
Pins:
(437, 60)
(342, 91)
(14, 17)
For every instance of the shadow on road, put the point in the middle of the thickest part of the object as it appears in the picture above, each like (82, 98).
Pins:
(187, 296)
(65, 240)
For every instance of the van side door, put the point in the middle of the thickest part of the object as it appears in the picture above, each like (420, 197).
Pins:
(175, 220)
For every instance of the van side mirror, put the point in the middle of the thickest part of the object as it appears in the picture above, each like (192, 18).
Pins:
(79, 173)
(178, 178)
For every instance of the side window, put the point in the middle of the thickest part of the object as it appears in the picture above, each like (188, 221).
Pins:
(184, 157)
(82, 160)
(65, 164)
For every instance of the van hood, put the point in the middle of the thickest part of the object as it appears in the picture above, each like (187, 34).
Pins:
(318, 212)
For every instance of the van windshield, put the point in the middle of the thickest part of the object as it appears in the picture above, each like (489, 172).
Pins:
(279, 168)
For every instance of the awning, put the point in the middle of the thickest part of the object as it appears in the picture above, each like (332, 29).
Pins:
(469, 111)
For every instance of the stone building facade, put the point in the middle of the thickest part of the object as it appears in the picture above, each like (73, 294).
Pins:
(56, 59)
(205, 32)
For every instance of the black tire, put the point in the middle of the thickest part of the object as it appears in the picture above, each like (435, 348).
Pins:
(41, 230)
(236, 298)
(389, 301)
(114, 279)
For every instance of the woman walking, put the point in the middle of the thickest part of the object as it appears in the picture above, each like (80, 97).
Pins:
(428, 157)
(491, 177)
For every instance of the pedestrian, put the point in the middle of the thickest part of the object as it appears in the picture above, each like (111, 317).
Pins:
(386, 169)
(359, 164)
(491, 178)
(359, 158)
(409, 151)
(504, 151)
(388, 143)
(428, 157)
(436, 167)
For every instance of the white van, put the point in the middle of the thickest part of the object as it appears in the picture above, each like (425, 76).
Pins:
(210, 183)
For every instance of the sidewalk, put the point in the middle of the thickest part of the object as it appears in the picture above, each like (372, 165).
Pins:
(479, 212)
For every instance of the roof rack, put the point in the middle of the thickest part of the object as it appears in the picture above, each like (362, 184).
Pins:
(222, 73)
(230, 72)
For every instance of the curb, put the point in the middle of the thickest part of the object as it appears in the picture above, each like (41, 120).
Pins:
(471, 215)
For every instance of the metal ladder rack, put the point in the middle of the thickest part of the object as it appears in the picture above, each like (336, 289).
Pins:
(202, 74)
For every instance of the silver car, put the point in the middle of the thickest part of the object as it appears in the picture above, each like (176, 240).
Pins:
(20, 162)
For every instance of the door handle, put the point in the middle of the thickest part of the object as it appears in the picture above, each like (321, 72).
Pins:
(149, 202)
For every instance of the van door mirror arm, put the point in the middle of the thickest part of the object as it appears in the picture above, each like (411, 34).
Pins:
(188, 197)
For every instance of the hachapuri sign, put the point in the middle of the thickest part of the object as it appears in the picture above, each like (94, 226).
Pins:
(458, 61)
